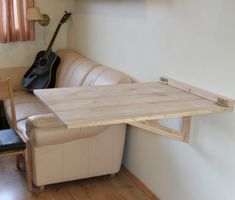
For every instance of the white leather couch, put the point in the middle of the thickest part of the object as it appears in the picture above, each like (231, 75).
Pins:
(59, 154)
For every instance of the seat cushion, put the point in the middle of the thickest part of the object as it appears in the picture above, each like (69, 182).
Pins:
(22, 128)
(10, 141)
(26, 105)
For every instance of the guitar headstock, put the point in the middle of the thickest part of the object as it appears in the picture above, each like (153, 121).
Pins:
(66, 16)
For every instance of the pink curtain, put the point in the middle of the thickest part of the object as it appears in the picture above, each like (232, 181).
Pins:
(13, 24)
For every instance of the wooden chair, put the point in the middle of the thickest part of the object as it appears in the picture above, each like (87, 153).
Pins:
(12, 141)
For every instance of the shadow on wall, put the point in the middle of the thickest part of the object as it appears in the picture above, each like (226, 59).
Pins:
(165, 165)
(213, 138)
(154, 162)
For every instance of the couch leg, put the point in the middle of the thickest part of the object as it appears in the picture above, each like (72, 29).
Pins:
(38, 189)
(41, 188)
(112, 175)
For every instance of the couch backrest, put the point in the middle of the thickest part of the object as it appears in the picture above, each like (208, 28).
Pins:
(77, 70)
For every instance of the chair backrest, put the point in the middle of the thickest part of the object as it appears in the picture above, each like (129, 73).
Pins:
(6, 93)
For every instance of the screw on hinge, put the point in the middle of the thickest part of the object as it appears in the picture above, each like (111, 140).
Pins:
(164, 81)
(222, 102)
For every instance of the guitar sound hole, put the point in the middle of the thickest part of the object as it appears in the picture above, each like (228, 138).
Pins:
(43, 62)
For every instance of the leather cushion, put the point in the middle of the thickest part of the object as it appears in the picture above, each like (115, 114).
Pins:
(26, 105)
(10, 141)
(102, 75)
(67, 58)
(48, 130)
(77, 70)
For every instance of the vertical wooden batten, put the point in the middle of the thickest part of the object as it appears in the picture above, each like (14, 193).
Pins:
(218, 99)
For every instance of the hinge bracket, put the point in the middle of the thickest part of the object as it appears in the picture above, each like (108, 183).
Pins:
(222, 102)
(164, 81)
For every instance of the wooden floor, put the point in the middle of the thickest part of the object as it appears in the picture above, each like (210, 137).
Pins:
(120, 187)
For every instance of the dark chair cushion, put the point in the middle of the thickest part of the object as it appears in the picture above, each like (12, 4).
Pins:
(10, 141)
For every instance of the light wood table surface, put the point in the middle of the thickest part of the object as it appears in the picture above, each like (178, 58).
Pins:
(124, 103)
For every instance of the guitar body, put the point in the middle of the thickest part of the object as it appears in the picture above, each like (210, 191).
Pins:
(42, 74)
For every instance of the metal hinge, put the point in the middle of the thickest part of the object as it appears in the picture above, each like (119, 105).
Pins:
(222, 102)
(164, 81)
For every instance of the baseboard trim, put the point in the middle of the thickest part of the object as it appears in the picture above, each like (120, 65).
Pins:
(140, 184)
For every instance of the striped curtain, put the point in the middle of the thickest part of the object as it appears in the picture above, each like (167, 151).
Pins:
(13, 24)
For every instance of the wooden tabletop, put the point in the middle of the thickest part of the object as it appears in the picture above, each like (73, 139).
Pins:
(124, 103)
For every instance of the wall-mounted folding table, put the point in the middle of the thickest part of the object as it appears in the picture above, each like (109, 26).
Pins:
(135, 104)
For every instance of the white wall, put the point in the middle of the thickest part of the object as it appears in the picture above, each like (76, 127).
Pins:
(192, 41)
(23, 53)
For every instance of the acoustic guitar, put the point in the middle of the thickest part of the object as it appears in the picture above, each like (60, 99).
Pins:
(42, 74)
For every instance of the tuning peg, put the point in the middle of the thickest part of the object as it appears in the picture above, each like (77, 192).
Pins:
(67, 13)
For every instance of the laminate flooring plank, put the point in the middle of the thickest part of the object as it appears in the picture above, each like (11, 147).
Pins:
(127, 188)
(120, 187)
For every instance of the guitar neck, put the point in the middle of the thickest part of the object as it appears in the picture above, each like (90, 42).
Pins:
(53, 39)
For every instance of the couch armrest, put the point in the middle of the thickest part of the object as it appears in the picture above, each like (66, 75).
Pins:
(43, 121)
(15, 74)
(46, 129)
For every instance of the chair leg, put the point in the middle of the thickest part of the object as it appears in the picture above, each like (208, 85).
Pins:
(18, 159)
(28, 169)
